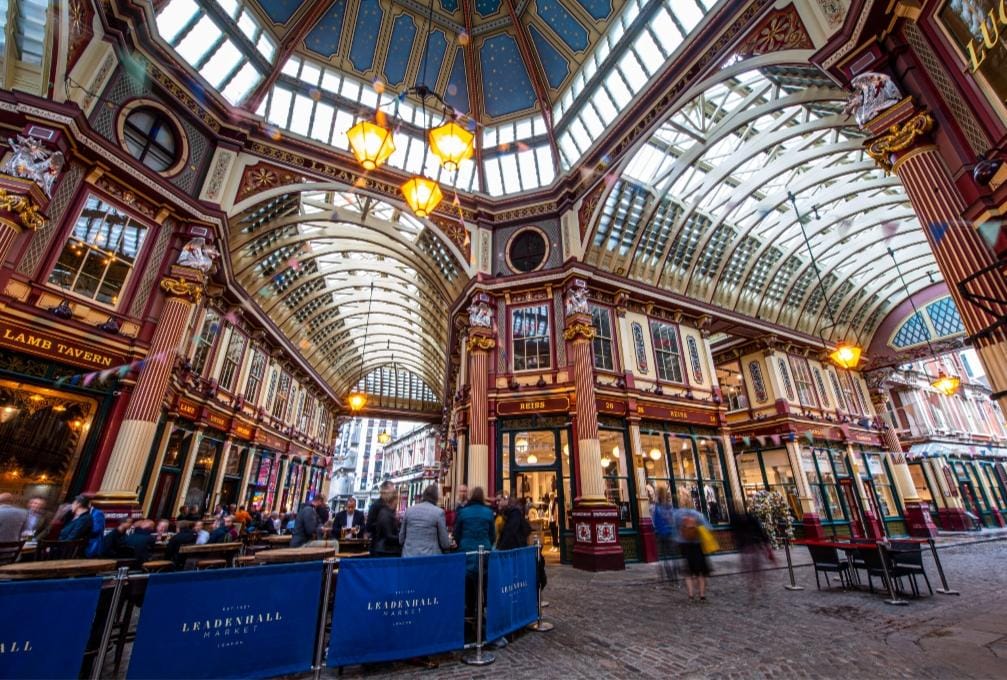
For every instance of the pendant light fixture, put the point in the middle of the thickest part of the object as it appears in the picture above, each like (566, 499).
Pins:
(945, 384)
(384, 437)
(846, 354)
(372, 142)
(357, 399)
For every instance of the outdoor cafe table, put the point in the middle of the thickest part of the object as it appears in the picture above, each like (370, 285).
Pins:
(274, 541)
(353, 545)
(294, 555)
(56, 569)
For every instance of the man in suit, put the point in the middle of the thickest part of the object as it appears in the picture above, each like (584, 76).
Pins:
(38, 519)
(306, 525)
(12, 519)
(81, 524)
(349, 518)
(141, 540)
(185, 536)
(423, 530)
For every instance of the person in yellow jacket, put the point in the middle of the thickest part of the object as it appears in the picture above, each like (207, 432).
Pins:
(691, 527)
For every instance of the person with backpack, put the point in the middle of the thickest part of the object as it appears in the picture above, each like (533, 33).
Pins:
(663, 515)
(690, 526)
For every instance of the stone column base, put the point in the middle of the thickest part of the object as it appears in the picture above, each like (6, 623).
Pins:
(118, 507)
(596, 536)
(813, 529)
(648, 540)
(954, 519)
(919, 523)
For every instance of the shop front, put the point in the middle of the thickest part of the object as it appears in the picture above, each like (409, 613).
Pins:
(966, 484)
(769, 470)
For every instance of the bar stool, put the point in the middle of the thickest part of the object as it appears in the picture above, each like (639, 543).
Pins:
(210, 564)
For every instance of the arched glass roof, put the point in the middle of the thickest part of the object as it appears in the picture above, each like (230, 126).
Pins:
(936, 321)
(702, 207)
(333, 267)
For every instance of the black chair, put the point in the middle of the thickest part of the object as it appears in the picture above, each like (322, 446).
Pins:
(10, 551)
(827, 560)
(61, 550)
(908, 556)
(874, 567)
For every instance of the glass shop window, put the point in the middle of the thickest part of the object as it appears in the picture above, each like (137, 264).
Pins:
(204, 341)
(99, 253)
(232, 360)
(802, 379)
(282, 394)
(530, 333)
(713, 487)
(255, 373)
(534, 448)
(732, 386)
(882, 484)
(666, 351)
(601, 346)
(615, 472)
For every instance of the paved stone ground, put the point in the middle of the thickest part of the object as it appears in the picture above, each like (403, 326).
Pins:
(625, 624)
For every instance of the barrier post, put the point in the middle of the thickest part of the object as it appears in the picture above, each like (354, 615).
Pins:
(323, 617)
(539, 626)
(106, 635)
(893, 597)
(790, 566)
(480, 658)
(538, 544)
(944, 589)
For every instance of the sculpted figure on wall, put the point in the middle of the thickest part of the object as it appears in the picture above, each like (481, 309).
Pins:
(196, 254)
(576, 300)
(872, 94)
(33, 161)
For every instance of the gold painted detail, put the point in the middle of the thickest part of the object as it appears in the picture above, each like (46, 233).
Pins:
(480, 342)
(182, 288)
(583, 330)
(25, 208)
(898, 138)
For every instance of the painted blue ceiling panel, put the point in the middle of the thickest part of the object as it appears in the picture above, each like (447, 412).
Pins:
(457, 94)
(399, 48)
(365, 34)
(435, 59)
(506, 86)
(487, 7)
(280, 11)
(598, 9)
(323, 39)
(563, 23)
(555, 65)
(450, 5)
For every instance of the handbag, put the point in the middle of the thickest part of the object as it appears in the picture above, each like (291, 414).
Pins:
(707, 543)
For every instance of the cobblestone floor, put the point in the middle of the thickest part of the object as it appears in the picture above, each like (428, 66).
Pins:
(627, 625)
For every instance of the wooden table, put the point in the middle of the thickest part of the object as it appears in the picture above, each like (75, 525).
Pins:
(56, 569)
(277, 540)
(209, 548)
(354, 545)
(294, 555)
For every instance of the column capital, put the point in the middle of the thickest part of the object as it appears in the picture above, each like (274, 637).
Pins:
(579, 326)
(896, 130)
(480, 340)
(22, 203)
(184, 282)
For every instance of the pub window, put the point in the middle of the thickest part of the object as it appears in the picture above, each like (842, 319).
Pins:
(271, 392)
(850, 392)
(785, 376)
(822, 393)
(232, 361)
(204, 341)
(839, 392)
(802, 379)
(282, 393)
(666, 351)
(530, 332)
(255, 372)
(602, 343)
(151, 138)
(99, 253)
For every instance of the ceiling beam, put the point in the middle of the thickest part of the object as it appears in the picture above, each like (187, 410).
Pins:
(472, 76)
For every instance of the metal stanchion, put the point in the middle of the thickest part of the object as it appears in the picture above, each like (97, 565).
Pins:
(480, 658)
(539, 626)
(106, 634)
(944, 589)
(893, 598)
(790, 566)
(323, 617)
(541, 549)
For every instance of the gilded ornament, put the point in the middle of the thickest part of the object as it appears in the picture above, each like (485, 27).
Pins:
(26, 210)
(898, 138)
(480, 342)
(579, 329)
(180, 287)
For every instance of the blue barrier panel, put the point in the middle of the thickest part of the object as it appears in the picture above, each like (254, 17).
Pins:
(45, 626)
(397, 608)
(511, 590)
(228, 623)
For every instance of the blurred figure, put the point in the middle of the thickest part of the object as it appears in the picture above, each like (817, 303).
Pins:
(385, 538)
(375, 507)
(349, 522)
(474, 528)
(752, 542)
(12, 519)
(687, 524)
(224, 533)
(202, 535)
(141, 540)
(38, 519)
(243, 517)
(424, 530)
(161, 533)
(462, 497)
(516, 527)
(113, 544)
(185, 536)
(96, 546)
(663, 516)
(183, 512)
(80, 525)
(307, 524)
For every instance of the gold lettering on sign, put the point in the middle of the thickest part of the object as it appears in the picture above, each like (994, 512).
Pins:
(531, 406)
(989, 29)
(43, 344)
(15, 647)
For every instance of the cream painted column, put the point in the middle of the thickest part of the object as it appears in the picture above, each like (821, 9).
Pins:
(902, 478)
(281, 479)
(480, 343)
(162, 447)
(638, 454)
(190, 463)
(737, 494)
(246, 477)
(218, 481)
(801, 479)
(132, 445)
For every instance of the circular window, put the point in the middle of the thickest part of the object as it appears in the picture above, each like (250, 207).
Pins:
(527, 250)
(151, 137)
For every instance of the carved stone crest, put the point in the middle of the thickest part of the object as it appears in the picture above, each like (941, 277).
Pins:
(196, 254)
(575, 299)
(31, 160)
(480, 314)
(872, 94)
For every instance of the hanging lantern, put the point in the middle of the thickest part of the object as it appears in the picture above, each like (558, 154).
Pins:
(452, 144)
(605, 462)
(846, 355)
(532, 459)
(384, 437)
(947, 384)
(422, 194)
(655, 454)
(357, 400)
(370, 143)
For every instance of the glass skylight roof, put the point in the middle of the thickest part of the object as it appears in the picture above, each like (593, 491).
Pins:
(702, 207)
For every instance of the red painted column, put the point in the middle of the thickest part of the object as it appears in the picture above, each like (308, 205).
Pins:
(595, 520)
(481, 342)
(132, 445)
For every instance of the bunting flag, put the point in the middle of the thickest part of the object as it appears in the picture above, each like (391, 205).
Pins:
(747, 441)
(776, 439)
(761, 439)
(889, 229)
(122, 371)
(810, 437)
(937, 230)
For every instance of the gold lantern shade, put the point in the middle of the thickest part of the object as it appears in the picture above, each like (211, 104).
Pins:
(846, 355)
(384, 437)
(357, 400)
(371, 143)
(422, 194)
(655, 454)
(452, 144)
(532, 459)
(946, 384)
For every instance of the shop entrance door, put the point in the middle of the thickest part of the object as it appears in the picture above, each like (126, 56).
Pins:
(852, 507)
(540, 488)
(971, 502)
